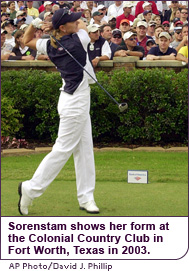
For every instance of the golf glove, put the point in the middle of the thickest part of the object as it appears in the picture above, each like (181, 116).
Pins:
(37, 23)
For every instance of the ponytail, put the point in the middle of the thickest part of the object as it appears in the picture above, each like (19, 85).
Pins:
(56, 34)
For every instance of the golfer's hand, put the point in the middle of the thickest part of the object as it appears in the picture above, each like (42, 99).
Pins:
(47, 26)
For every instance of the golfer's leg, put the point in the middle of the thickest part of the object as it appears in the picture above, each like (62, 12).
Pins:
(68, 137)
(73, 114)
(84, 165)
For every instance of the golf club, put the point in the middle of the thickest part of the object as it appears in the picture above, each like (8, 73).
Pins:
(122, 106)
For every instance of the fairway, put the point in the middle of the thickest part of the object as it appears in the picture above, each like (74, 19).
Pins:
(166, 194)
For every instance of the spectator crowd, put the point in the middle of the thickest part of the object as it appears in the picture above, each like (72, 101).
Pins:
(152, 30)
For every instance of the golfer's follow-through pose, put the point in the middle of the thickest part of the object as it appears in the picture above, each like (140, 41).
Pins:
(74, 135)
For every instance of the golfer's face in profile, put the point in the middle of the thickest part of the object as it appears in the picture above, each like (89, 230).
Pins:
(71, 27)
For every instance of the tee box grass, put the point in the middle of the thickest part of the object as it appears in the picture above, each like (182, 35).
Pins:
(166, 193)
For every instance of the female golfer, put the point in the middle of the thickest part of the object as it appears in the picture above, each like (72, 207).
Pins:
(74, 135)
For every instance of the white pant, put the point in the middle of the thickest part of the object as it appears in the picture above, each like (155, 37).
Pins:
(74, 136)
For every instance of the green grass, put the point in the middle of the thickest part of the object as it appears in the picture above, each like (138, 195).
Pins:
(166, 194)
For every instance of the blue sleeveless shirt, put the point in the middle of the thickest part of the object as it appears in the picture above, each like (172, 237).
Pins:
(70, 71)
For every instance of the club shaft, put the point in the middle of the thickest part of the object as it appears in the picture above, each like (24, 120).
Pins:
(85, 70)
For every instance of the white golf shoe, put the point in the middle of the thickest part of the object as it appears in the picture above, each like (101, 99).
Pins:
(90, 207)
(24, 201)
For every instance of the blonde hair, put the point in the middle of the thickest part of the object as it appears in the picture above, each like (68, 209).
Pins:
(56, 34)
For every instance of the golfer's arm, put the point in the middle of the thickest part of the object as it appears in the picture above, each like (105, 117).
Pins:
(29, 37)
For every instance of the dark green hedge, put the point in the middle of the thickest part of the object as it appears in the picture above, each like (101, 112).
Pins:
(35, 95)
(157, 99)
